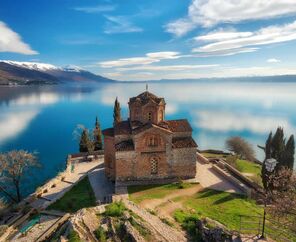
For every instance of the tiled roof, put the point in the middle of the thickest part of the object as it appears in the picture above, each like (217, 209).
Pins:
(183, 142)
(125, 145)
(108, 132)
(122, 127)
(180, 125)
(145, 97)
(148, 126)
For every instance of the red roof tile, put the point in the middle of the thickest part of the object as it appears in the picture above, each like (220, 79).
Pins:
(183, 142)
(180, 125)
(126, 145)
(122, 127)
(145, 97)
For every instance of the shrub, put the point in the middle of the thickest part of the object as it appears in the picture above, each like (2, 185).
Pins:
(166, 221)
(115, 209)
(189, 223)
(100, 234)
(74, 237)
(151, 211)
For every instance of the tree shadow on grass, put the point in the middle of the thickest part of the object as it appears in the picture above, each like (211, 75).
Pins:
(207, 193)
(227, 198)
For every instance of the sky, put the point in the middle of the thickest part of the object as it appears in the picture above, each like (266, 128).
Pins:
(153, 39)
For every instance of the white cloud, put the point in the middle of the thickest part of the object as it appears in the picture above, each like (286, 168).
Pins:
(229, 121)
(268, 35)
(273, 60)
(167, 68)
(197, 71)
(207, 13)
(11, 41)
(180, 27)
(227, 52)
(222, 34)
(147, 59)
(120, 24)
(96, 9)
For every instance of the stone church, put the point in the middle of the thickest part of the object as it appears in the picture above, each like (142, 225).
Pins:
(146, 147)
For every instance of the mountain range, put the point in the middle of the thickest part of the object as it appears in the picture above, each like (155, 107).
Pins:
(30, 73)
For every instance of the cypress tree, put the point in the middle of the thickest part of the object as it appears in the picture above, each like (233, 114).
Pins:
(277, 148)
(97, 136)
(268, 151)
(278, 145)
(116, 112)
(84, 141)
(268, 146)
(290, 151)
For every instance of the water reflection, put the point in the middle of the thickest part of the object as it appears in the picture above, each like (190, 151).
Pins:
(43, 118)
(11, 124)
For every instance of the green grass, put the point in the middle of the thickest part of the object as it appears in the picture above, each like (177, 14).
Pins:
(115, 209)
(100, 234)
(139, 193)
(74, 237)
(80, 196)
(245, 166)
(221, 206)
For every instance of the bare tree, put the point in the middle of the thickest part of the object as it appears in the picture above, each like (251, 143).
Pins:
(282, 195)
(240, 147)
(14, 165)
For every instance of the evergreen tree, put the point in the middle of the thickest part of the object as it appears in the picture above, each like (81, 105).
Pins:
(116, 112)
(268, 150)
(268, 146)
(97, 136)
(278, 145)
(290, 151)
(84, 144)
(277, 148)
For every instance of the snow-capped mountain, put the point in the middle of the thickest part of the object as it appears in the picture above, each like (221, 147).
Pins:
(31, 65)
(15, 72)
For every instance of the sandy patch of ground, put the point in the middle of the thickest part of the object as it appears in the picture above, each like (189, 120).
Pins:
(165, 207)
(154, 203)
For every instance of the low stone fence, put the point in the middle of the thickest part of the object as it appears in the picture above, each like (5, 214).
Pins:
(233, 180)
(246, 180)
(12, 225)
(46, 235)
(201, 158)
(71, 159)
(216, 152)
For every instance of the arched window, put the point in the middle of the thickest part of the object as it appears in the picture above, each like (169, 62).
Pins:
(161, 115)
(150, 116)
(152, 141)
(154, 165)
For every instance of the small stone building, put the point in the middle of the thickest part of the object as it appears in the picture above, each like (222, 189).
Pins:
(147, 148)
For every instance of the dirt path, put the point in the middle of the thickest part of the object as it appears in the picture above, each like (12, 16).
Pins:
(168, 233)
(154, 203)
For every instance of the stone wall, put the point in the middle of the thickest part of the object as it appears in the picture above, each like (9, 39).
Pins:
(184, 162)
(137, 164)
(140, 113)
(109, 157)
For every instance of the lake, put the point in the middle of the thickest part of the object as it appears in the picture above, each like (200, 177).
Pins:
(43, 118)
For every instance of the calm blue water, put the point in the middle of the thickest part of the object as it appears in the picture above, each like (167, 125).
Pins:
(43, 119)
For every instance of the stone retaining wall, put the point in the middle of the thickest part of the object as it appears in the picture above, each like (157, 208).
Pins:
(233, 180)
